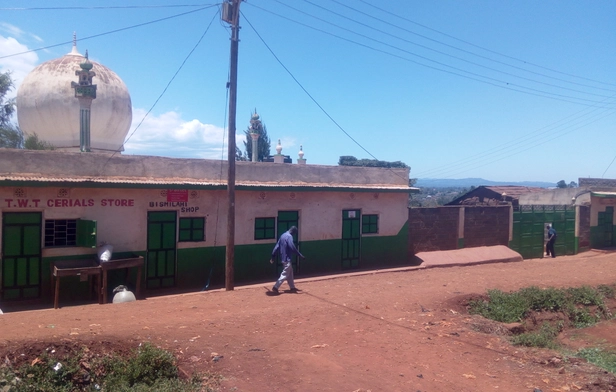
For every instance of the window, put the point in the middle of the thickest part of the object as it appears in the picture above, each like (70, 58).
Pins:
(70, 232)
(192, 229)
(265, 228)
(370, 224)
(61, 232)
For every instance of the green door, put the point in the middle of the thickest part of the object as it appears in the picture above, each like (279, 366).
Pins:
(606, 226)
(21, 255)
(285, 220)
(161, 253)
(351, 239)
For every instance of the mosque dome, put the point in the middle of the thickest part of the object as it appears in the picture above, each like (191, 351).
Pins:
(46, 105)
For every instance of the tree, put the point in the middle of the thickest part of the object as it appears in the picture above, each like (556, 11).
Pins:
(10, 135)
(572, 184)
(264, 144)
(561, 184)
(348, 160)
(33, 142)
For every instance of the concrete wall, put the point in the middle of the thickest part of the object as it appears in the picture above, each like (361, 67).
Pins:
(29, 164)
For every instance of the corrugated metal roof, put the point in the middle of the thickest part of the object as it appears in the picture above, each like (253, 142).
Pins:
(183, 181)
(609, 195)
(514, 190)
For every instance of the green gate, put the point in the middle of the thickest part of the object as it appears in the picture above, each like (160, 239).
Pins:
(529, 229)
(285, 220)
(351, 239)
(21, 255)
(161, 253)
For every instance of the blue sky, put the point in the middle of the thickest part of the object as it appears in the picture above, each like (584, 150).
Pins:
(502, 90)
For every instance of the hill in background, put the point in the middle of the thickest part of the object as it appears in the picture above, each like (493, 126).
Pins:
(468, 182)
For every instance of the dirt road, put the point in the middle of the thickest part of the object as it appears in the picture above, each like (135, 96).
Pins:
(391, 331)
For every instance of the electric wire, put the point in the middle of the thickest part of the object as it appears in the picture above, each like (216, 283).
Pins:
(473, 76)
(389, 13)
(306, 91)
(107, 32)
(523, 140)
(444, 53)
(312, 98)
(467, 51)
(451, 174)
(102, 7)
(167, 86)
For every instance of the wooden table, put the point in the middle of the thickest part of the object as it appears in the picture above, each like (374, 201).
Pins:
(84, 268)
(130, 262)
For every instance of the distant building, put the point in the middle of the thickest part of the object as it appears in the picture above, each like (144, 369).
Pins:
(494, 195)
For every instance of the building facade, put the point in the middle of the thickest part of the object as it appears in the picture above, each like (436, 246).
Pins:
(62, 205)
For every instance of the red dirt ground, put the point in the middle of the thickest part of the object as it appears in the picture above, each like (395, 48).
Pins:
(386, 331)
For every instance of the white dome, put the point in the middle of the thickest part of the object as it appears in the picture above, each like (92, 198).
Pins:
(46, 105)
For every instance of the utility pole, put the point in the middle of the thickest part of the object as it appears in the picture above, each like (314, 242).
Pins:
(231, 15)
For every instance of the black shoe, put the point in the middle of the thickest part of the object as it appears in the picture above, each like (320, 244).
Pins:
(275, 290)
(294, 290)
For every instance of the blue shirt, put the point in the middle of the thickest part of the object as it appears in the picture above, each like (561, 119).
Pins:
(286, 247)
(551, 234)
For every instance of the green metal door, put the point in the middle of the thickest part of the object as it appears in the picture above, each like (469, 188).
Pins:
(351, 239)
(161, 252)
(529, 227)
(606, 226)
(285, 220)
(21, 255)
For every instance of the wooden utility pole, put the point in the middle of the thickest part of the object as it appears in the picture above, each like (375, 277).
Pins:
(232, 15)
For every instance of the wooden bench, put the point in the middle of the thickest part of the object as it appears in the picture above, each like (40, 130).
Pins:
(84, 268)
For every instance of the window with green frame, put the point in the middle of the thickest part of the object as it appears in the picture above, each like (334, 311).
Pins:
(265, 228)
(369, 224)
(192, 229)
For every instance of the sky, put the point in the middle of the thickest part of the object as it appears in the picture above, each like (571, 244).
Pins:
(504, 90)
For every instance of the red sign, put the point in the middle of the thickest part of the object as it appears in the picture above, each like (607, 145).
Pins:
(177, 194)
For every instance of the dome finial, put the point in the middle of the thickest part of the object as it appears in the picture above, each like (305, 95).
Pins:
(74, 51)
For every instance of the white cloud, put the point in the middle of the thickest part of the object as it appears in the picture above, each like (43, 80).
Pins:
(19, 65)
(171, 136)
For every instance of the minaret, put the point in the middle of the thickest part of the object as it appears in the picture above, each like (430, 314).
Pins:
(255, 131)
(301, 160)
(85, 91)
(278, 158)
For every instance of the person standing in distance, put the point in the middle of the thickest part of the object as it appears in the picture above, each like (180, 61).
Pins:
(286, 248)
(549, 247)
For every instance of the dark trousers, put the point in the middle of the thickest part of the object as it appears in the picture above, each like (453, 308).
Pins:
(549, 248)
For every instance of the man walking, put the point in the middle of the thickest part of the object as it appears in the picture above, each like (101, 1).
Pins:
(549, 247)
(286, 248)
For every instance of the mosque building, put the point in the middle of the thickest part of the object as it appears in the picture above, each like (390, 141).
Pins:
(165, 218)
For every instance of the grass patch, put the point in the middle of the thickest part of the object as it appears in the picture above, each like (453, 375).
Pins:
(148, 368)
(543, 338)
(605, 359)
(582, 306)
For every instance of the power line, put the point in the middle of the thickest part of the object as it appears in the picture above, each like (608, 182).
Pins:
(523, 141)
(309, 95)
(453, 56)
(109, 32)
(389, 13)
(473, 76)
(102, 7)
(168, 84)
